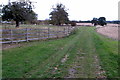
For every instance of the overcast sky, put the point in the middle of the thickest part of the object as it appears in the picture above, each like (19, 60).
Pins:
(78, 9)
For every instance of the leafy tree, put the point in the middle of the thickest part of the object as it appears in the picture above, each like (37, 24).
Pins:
(102, 21)
(1, 5)
(19, 12)
(59, 15)
(95, 21)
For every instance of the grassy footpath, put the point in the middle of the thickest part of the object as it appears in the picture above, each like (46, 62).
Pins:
(43, 59)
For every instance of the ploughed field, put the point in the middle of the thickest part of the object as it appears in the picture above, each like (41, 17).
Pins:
(109, 31)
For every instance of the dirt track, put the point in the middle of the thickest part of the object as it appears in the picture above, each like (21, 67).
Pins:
(111, 32)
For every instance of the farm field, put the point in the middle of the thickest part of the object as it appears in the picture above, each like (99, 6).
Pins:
(84, 54)
(111, 32)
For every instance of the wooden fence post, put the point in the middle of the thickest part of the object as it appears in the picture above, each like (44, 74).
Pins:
(38, 34)
(11, 35)
(48, 32)
(64, 32)
(58, 34)
(26, 34)
(68, 30)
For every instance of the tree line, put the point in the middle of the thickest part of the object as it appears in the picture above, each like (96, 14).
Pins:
(23, 11)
